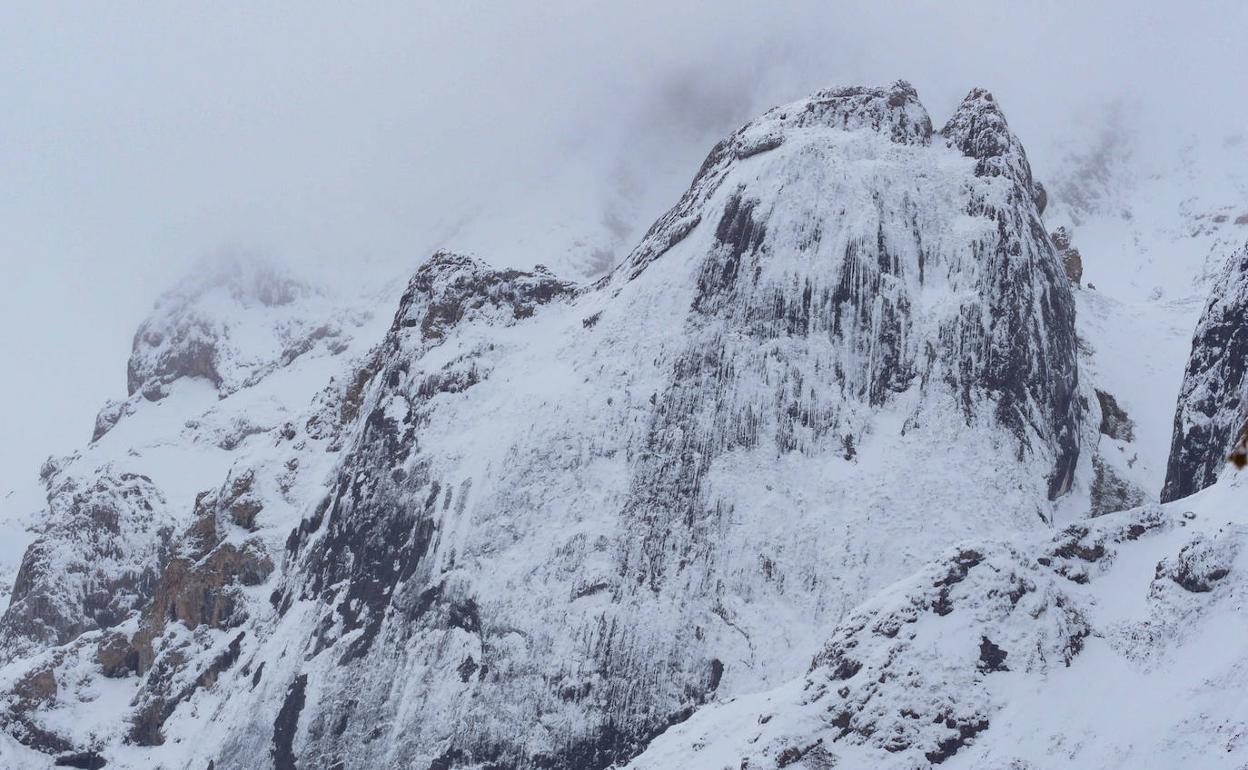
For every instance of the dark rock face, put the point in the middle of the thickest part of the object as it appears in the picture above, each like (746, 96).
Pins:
(1071, 259)
(191, 352)
(202, 592)
(1110, 491)
(86, 760)
(109, 416)
(34, 690)
(364, 555)
(991, 657)
(172, 681)
(1115, 422)
(114, 532)
(116, 656)
(178, 341)
(1028, 362)
(285, 725)
(199, 587)
(1002, 351)
(1210, 415)
(1040, 195)
(452, 288)
(371, 542)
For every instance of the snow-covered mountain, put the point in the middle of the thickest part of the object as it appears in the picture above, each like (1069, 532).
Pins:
(833, 469)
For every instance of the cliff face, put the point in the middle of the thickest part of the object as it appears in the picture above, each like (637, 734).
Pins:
(94, 564)
(540, 523)
(1210, 415)
(574, 515)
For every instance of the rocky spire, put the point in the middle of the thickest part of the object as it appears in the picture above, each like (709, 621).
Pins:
(978, 129)
(1033, 370)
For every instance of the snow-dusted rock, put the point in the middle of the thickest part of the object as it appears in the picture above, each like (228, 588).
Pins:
(125, 592)
(1212, 412)
(1072, 260)
(101, 547)
(231, 325)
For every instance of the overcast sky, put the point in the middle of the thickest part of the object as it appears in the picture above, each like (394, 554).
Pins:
(139, 137)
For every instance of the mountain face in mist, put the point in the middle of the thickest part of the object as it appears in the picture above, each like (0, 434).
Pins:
(780, 490)
(585, 543)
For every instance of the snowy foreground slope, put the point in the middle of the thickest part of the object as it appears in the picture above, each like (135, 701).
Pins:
(1115, 643)
(822, 474)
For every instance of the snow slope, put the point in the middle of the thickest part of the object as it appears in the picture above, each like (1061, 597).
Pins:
(1114, 644)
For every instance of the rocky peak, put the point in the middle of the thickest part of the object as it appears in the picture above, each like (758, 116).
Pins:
(553, 521)
(451, 288)
(978, 129)
(796, 293)
(96, 560)
(232, 325)
(894, 111)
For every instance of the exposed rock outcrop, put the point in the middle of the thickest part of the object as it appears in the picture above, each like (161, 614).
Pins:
(187, 336)
(199, 588)
(96, 561)
(131, 588)
(906, 680)
(1115, 422)
(1110, 491)
(1072, 260)
(1031, 366)
(1201, 564)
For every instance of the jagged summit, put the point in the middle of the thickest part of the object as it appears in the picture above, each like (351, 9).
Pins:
(832, 216)
(833, 289)
(451, 288)
(979, 130)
